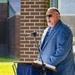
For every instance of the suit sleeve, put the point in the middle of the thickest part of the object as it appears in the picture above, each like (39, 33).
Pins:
(64, 46)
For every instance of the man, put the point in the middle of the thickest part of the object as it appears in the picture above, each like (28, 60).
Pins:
(56, 47)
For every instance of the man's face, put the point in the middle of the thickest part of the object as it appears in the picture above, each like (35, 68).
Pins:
(51, 17)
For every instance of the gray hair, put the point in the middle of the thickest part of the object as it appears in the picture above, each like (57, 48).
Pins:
(54, 8)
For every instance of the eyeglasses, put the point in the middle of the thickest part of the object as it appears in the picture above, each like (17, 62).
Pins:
(50, 15)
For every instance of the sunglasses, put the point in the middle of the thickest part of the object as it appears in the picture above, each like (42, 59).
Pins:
(50, 15)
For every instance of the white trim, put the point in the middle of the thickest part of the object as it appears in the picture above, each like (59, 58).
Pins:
(67, 14)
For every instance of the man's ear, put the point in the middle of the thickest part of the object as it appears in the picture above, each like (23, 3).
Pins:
(58, 16)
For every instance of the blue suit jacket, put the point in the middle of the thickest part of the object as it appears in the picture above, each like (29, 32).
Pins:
(57, 50)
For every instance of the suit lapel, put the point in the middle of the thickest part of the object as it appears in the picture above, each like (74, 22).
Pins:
(43, 37)
(53, 31)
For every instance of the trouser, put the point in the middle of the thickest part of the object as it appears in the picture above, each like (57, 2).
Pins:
(39, 71)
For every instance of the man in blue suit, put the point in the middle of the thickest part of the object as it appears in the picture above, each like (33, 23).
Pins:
(56, 46)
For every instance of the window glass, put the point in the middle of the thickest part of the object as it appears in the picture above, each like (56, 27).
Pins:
(3, 1)
(66, 6)
(54, 3)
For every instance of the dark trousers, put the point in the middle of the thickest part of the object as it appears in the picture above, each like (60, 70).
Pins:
(39, 71)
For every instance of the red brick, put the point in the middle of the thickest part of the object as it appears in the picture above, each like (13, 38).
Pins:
(28, 59)
(29, 9)
(34, 6)
(34, 13)
(34, 27)
(25, 13)
(29, 17)
(25, 56)
(38, 10)
(33, 56)
(25, 6)
(40, 17)
(32, 19)
(40, 2)
(30, 2)
(24, 49)
(29, 24)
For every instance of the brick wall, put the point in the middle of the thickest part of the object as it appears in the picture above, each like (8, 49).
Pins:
(32, 19)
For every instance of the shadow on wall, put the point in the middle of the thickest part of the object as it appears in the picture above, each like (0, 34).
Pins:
(3, 29)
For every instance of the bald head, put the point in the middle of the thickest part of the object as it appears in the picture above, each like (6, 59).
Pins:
(52, 16)
(52, 10)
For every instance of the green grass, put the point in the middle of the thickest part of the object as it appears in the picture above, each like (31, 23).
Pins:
(73, 38)
(8, 59)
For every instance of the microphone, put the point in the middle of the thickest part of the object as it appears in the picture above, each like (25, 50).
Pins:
(37, 32)
(34, 33)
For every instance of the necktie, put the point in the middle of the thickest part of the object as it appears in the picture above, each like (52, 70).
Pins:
(47, 34)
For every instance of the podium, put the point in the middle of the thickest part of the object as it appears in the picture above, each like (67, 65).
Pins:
(25, 68)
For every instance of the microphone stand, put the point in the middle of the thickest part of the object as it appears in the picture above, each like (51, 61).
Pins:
(43, 65)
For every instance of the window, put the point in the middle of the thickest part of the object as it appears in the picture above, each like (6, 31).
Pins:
(66, 7)
(54, 3)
